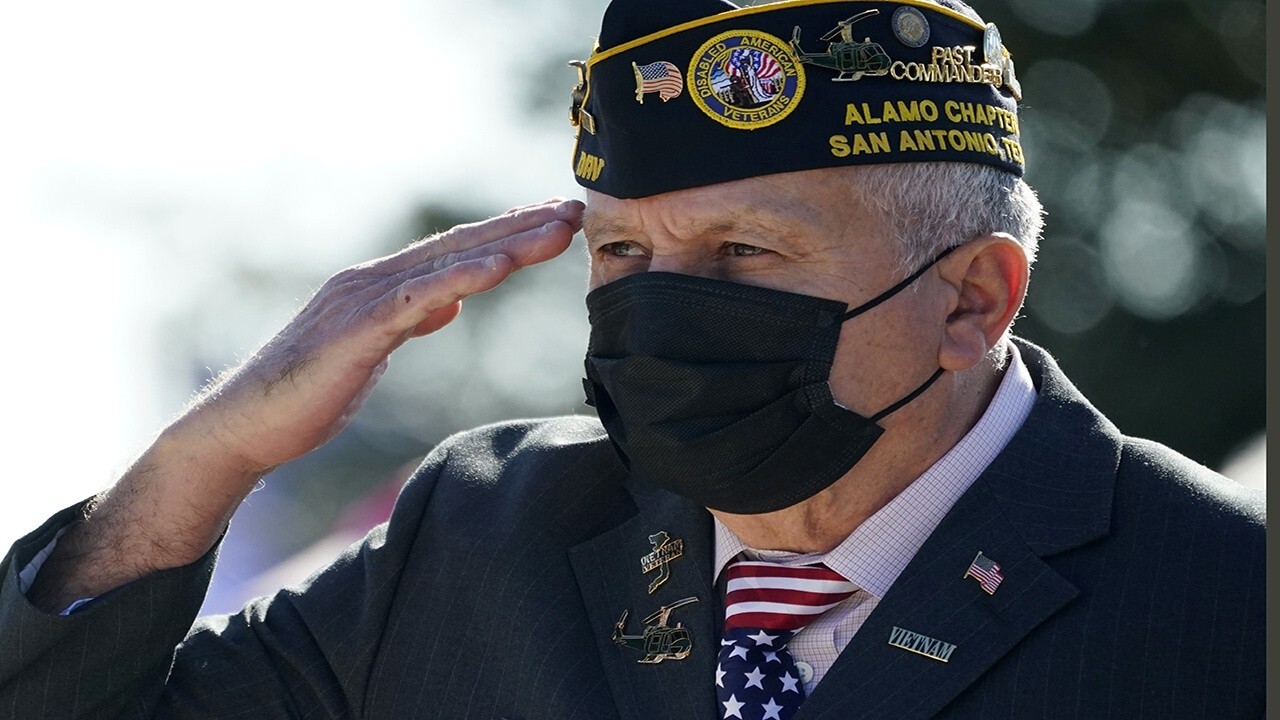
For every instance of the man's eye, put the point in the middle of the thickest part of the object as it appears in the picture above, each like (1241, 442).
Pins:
(743, 250)
(621, 249)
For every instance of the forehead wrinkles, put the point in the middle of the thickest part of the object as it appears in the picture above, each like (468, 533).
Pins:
(725, 214)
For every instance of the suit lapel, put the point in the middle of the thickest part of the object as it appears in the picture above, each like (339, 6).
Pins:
(608, 569)
(932, 598)
(1050, 490)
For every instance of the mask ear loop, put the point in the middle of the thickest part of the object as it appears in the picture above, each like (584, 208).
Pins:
(912, 396)
(864, 307)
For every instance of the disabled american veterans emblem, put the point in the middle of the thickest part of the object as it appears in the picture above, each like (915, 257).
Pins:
(745, 79)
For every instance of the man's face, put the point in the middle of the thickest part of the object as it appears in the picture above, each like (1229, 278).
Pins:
(803, 232)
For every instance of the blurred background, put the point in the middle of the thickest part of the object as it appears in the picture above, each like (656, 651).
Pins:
(175, 179)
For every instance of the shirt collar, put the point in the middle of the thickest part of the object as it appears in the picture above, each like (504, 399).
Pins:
(875, 553)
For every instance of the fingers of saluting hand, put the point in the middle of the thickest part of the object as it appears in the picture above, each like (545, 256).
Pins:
(335, 348)
(549, 201)
(523, 248)
(426, 303)
(417, 291)
(517, 229)
(424, 297)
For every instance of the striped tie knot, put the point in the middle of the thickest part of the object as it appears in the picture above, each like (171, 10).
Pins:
(766, 596)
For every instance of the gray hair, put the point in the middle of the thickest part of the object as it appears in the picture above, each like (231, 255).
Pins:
(929, 207)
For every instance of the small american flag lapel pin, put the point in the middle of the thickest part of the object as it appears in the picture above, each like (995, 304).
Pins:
(986, 571)
(661, 77)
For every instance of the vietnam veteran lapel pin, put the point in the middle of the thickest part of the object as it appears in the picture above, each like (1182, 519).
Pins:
(660, 641)
(986, 571)
(664, 551)
(921, 644)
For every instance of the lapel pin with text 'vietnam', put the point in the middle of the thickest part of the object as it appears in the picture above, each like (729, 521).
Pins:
(660, 640)
(921, 644)
(664, 551)
(986, 571)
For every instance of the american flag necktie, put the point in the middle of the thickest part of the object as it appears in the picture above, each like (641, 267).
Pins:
(765, 606)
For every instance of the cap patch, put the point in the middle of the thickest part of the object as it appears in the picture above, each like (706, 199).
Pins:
(746, 79)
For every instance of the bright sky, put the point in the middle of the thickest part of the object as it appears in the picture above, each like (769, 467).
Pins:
(143, 141)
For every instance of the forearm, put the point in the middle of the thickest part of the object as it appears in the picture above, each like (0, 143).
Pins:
(109, 660)
(166, 511)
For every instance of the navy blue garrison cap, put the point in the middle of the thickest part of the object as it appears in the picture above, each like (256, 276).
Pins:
(684, 93)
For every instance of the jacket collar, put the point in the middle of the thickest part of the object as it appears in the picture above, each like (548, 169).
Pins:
(612, 580)
(1055, 481)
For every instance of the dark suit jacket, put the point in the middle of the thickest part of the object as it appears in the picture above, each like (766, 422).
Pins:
(1133, 589)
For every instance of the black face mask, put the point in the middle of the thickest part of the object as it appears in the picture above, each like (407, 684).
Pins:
(719, 391)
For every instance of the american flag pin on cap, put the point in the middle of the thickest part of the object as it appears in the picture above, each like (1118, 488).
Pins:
(986, 571)
(661, 77)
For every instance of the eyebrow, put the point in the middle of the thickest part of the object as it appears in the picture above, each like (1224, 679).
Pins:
(593, 225)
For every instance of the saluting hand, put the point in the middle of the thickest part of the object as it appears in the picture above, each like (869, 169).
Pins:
(304, 386)
(288, 398)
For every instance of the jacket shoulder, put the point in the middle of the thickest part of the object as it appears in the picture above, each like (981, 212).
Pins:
(542, 475)
(508, 456)
(505, 441)
(1174, 522)
(1163, 479)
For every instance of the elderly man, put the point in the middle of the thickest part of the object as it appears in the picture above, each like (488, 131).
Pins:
(826, 481)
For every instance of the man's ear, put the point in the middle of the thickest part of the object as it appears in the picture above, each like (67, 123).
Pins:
(988, 281)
